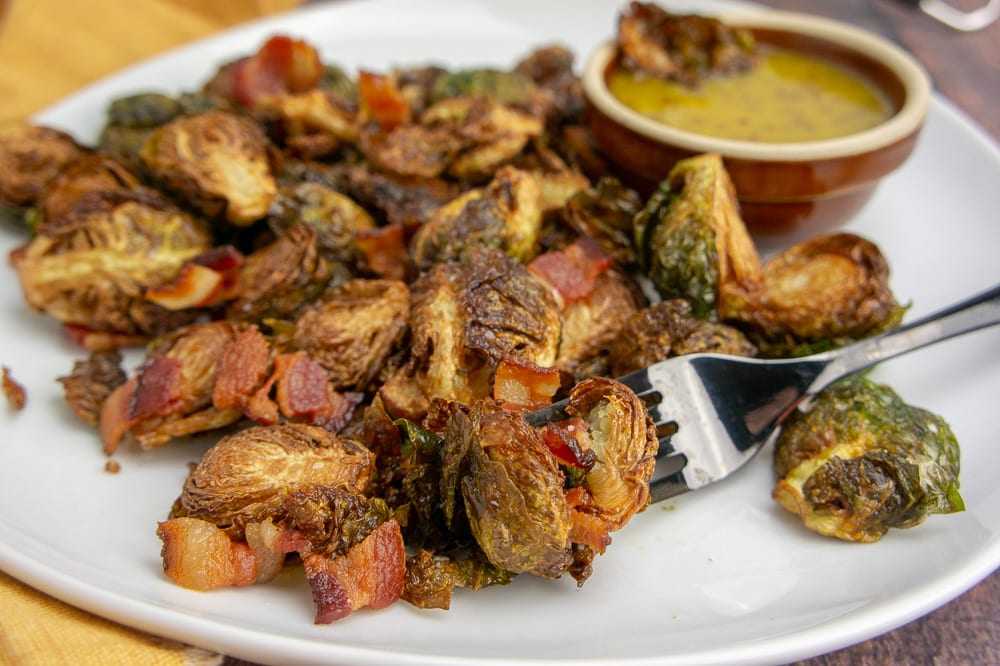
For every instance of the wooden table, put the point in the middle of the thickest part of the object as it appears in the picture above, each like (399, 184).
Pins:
(36, 70)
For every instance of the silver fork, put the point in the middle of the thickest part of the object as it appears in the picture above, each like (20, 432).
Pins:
(715, 412)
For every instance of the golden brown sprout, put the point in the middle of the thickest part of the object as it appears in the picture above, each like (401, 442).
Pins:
(686, 48)
(246, 476)
(465, 318)
(669, 329)
(31, 156)
(311, 123)
(91, 268)
(465, 137)
(504, 215)
(354, 329)
(280, 279)
(217, 161)
(591, 323)
(513, 491)
(334, 217)
(79, 186)
(624, 438)
(820, 293)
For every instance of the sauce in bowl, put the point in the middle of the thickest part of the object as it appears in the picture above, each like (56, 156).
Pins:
(786, 97)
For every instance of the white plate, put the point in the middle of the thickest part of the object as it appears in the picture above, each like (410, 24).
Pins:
(717, 576)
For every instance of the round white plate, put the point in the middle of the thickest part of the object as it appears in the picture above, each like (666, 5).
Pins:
(721, 575)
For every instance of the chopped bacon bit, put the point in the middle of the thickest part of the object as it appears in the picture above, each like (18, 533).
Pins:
(572, 271)
(586, 528)
(281, 65)
(194, 286)
(199, 556)
(243, 367)
(304, 392)
(563, 439)
(371, 574)
(160, 387)
(114, 420)
(225, 260)
(382, 98)
(112, 466)
(385, 250)
(14, 392)
(524, 385)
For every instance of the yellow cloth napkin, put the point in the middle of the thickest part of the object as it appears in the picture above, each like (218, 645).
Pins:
(37, 630)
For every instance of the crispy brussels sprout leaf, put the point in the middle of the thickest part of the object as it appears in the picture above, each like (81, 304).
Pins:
(506, 87)
(692, 240)
(861, 461)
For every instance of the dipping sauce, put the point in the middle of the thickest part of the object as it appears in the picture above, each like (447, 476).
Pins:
(787, 97)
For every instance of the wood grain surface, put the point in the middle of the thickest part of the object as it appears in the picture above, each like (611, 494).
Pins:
(44, 55)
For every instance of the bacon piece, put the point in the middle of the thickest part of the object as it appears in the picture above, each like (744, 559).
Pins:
(160, 388)
(114, 420)
(371, 574)
(14, 392)
(243, 368)
(199, 556)
(524, 385)
(194, 286)
(281, 65)
(382, 98)
(385, 250)
(304, 393)
(563, 439)
(572, 271)
(586, 528)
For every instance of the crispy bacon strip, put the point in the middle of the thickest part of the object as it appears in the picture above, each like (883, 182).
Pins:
(382, 98)
(199, 556)
(115, 419)
(371, 574)
(243, 368)
(572, 272)
(385, 250)
(14, 392)
(160, 388)
(524, 385)
(563, 439)
(586, 528)
(281, 65)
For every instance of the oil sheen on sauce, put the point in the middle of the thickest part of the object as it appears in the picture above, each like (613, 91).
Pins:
(786, 97)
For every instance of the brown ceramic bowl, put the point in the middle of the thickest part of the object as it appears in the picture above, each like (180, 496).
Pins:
(787, 191)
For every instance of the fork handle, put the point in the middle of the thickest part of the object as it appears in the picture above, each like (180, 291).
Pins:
(972, 314)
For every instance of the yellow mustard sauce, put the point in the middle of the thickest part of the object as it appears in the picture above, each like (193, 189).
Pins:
(786, 97)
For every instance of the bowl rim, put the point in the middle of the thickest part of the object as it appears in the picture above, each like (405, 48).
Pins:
(908, 119)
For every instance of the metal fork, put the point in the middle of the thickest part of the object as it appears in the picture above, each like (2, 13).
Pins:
(715, 412)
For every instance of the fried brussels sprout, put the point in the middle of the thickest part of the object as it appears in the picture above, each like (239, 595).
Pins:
(354, 329)
(692, 241)
(217, 161)
(605, 213)
(465, 318)
(512, 491)
(86, 179)
(860, 460)
(31, 156)
(504, 215)
(550, 68)
(91, 268)
(589, 324)
(280, 279)
(623, 437)
(245, 477)
(467, 138)
(334, 217)
(821, 293)
(686, 48)
(669, 329)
